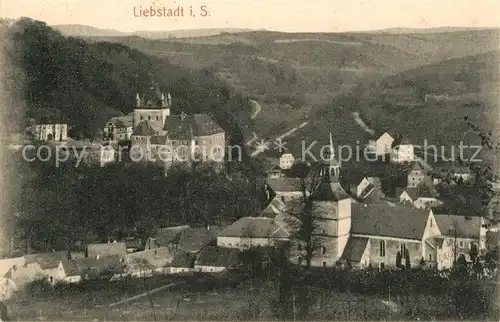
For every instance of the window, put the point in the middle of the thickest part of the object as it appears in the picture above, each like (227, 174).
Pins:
(431, 222)
(324, 264)
(323, 250)
(300, 260)
(461, 244)
(381, 265)
(149, 117)
(323, 232)
(142, 117)
(430, 257)
(382, 248)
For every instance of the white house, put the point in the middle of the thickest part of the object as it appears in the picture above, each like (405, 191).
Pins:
(421, 198)
(51, 132)
(119, 128)
(466, 231)
(108, 154)
(380, 143)
(402, 151)
(286, 161)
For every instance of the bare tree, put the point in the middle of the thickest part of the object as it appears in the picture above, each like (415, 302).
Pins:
(309, 185)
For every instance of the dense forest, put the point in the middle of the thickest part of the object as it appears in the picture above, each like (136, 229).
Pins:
(70, 80)
(84, 83)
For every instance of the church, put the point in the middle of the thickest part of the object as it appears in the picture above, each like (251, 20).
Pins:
(158, 135)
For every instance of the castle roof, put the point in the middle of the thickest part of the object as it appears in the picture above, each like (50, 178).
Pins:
(179, 127)
(122, 121)
(151, 98)
(147, 128)
(388, 221)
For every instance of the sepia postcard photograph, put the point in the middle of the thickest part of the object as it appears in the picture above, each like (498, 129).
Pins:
(263, 160)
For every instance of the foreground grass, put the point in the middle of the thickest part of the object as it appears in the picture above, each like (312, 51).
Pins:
(202, 298)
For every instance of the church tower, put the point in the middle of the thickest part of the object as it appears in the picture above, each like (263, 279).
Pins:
(330, 170)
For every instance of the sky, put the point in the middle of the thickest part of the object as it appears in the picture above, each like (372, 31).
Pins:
(279, 15)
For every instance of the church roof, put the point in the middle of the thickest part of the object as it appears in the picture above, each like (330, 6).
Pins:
(179, 127)
(388, 221)
(355, 248)
(330, 191)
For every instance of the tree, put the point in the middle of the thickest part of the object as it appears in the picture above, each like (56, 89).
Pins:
(283, 305)
(398, 259)
(309, 186)
(474, 252)
(407, 260)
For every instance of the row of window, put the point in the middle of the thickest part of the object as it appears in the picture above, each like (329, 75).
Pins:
(149, 118)
(402, 248)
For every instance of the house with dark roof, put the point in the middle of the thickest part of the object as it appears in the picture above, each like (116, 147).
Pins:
(174, 138)
(386, 230)
(103, 250)
(108, 267)
(148, 262)
(192, 240)
(463, 232)
(70, 272)
(216, 259)
(380, 143)
(182, 263)
(285, 188)
(422, 197)
(250, 232)
(165, 237)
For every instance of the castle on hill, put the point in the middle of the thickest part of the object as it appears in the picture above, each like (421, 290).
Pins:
(157, 135)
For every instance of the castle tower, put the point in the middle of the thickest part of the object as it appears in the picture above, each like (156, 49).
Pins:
(152, 106)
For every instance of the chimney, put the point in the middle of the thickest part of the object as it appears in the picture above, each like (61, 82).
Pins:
(208, 227)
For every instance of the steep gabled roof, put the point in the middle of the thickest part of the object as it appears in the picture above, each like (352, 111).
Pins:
(218, 257)
(330, 191)
(122, 121)
(274, 208)
(284, 184)
(194, 239)
(375, 136)
(70, 268)
(46, 260)
(165, 236)
(355, 248)
(107, 249)
(181, 128)
(147, 128)
(256, 227)
(463, 227)
(388, 221)
(155, 258)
